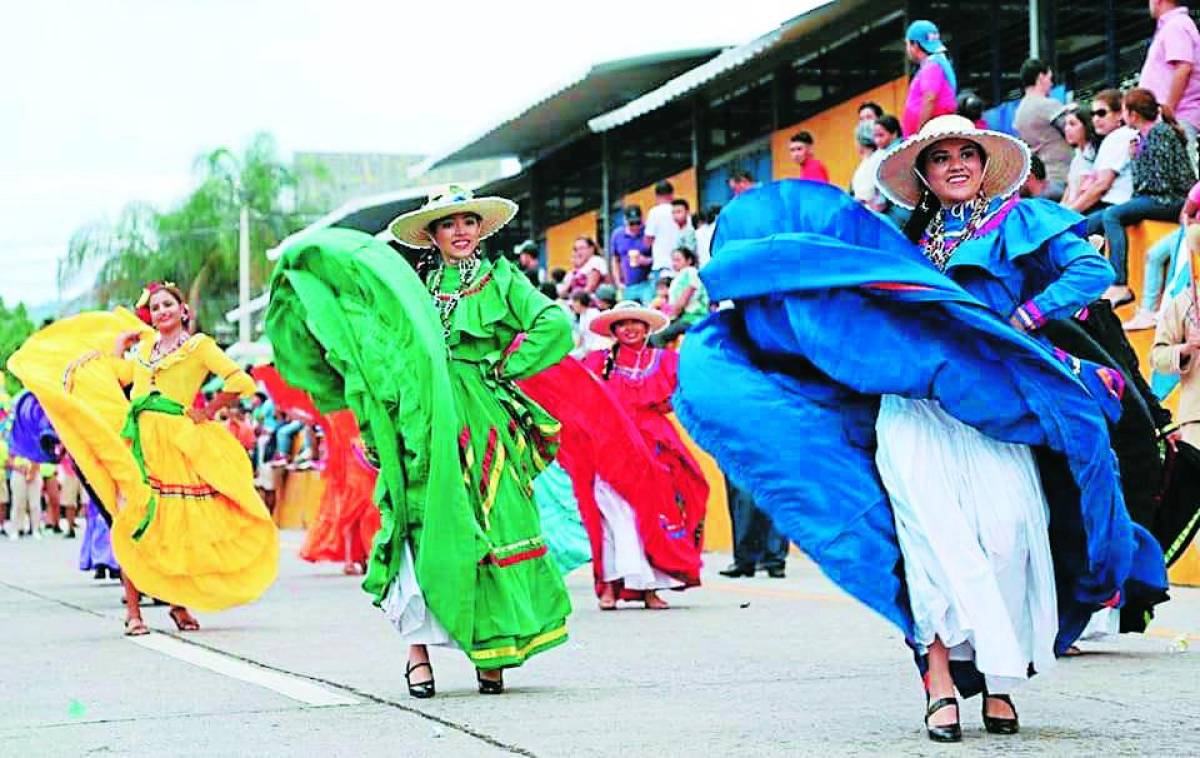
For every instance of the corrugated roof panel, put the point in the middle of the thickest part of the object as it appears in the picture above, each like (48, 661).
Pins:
(566, 110)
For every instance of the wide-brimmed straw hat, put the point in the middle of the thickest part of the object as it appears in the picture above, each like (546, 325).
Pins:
(1003, 174)
(412, 229)
(628, 310)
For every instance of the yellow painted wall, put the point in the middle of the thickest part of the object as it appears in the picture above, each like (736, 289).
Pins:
(685, 186)
(561, 237)
(833, 133)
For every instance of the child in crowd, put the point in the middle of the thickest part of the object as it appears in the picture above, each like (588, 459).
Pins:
(584, 311)
(662, 293)
(687, 300)
(1176, 347)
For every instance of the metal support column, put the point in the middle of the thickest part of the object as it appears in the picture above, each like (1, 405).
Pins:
(697, 128)
(1035, 29)
(605, 196)
(997, 64)
(1110, 43)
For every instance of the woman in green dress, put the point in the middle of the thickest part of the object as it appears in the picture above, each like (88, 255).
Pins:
(428, 361)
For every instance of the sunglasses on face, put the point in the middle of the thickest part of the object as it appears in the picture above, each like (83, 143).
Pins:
(1099, 113)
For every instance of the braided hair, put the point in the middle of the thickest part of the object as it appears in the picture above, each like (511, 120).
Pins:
(610, 361)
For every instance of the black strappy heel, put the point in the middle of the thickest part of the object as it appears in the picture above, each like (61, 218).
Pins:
(999, 724)
(490, 686)
(949, 732)
(421, 690)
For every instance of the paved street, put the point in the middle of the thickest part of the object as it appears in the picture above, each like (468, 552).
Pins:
(749, 667)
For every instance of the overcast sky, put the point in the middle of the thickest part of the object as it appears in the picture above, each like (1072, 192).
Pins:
(109, 101)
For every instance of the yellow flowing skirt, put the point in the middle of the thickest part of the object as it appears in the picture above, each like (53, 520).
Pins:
(211, 543)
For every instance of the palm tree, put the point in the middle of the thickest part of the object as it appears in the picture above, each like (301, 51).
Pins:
(196, 242)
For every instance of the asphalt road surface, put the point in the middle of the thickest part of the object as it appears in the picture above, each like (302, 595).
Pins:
(747, 667)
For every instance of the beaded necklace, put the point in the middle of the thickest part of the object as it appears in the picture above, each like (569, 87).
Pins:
(637, 370)
(161, 350)
(935, 245)
(447, 302)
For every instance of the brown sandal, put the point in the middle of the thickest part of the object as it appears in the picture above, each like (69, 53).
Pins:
(184, 621)
(135, 627)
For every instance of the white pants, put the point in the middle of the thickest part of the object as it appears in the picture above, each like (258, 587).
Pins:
(624, 554)
(973, 526)
(26, 503)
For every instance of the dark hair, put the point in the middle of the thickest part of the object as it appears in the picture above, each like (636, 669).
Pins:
(682, 203)
(874, 106)
(1031, 70)
(1037, 167)
(688, 253)
(929, 205)
(610, 361)
(1110, 97)
(549, 290)
(740, 175)
(664, 188)
(1083, 114)
(970, 106)
(558, 274)
(711, 213)
(1142, 102)
(432, 225)
(582, 296)
(590, 243)
(890, 123)
(804, 137)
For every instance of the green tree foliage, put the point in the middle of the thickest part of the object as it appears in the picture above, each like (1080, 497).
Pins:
(194, 244)
(15, 328)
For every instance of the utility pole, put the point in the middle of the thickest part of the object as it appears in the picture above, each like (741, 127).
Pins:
(244, 334)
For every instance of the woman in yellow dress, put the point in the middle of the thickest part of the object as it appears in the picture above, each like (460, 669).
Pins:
(188, 525)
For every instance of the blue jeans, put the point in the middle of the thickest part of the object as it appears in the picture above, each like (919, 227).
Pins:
(1114, 219)
(1160, 262)
(284, 436)
(756, 542)
(642, 292)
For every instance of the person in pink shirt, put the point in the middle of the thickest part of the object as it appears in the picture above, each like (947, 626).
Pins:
(802, 149)
(933, 89)
(1172, 67)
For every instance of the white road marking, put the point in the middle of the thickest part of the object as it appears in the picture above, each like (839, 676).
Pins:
(289, 686)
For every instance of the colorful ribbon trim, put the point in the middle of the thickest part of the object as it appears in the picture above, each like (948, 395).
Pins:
(155, 402)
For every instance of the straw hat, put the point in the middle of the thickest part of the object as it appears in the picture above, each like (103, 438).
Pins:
(411, 229)
(628, 310)
(1003, 174)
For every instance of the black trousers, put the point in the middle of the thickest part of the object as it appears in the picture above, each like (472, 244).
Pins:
(756, 542)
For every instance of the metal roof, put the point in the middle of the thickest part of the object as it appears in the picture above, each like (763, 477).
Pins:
(809, 32)
(564, 113)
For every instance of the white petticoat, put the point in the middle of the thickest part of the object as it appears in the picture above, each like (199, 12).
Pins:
(624, 554)
(972, 523)
(404, 606)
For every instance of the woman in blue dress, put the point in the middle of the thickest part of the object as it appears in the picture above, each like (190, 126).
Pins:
(956, 474)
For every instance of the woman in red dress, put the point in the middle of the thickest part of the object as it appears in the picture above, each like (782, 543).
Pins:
(642, 379)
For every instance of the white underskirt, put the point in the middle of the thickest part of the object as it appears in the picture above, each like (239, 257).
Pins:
(1105, 624)
(404, 606)
(972, 523)
(624, 555)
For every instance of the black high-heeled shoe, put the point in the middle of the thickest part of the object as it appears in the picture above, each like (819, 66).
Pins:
(948, 732)
(490, 686)
(421, 690)
(1000, 724)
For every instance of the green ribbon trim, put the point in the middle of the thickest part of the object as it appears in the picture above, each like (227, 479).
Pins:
(155, 402)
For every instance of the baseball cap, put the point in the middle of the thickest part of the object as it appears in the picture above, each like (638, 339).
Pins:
(633, 214)
(926, 35)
